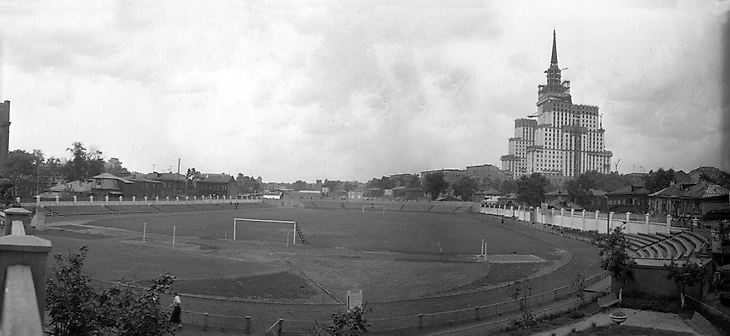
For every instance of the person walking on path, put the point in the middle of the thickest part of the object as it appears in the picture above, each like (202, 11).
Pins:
(176, 310)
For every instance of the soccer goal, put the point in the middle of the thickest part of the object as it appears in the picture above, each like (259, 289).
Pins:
(296, 232)
(373, 207)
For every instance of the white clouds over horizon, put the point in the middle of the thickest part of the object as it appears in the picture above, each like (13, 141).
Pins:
(311, 90)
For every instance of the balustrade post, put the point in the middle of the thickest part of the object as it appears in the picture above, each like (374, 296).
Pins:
(29, 251)
(646, 222)
(58, 199)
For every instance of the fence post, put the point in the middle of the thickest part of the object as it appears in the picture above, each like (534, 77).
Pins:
(595, 221)
(555, 294)
(562, 211)
(476, 312)
(610, 222)
(420, 321)
(583, 220)
(247, 328)
(572, 214)
(278, 330)
(646, 221)
(205, 322)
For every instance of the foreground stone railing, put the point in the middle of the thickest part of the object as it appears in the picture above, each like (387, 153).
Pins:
(23, 260)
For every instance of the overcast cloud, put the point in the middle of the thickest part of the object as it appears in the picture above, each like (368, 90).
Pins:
(347, 90)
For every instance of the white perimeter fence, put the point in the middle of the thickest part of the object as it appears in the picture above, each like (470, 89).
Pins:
(581, 220)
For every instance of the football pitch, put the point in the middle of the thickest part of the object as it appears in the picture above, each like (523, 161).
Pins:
(392, 256)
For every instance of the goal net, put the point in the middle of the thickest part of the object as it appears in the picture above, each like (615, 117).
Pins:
(373, 207)
(267, 230)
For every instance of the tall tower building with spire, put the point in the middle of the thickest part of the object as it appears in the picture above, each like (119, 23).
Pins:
(560, 140)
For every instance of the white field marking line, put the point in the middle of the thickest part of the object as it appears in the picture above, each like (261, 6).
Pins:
(442, 251)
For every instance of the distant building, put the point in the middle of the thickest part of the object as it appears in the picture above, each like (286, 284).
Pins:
(560, 139)
(173, 184)
(486, 172)
(689, 200)
(633, 198)
(450, 175)
(219, 185)
(711, 172)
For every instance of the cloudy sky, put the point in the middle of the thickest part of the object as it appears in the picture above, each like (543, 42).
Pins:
(347, 90)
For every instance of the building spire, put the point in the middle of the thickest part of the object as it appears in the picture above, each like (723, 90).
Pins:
(554, 57)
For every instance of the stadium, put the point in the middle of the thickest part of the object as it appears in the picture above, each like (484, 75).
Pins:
(248, 264)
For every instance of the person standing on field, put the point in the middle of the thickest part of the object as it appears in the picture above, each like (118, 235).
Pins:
(176, 310)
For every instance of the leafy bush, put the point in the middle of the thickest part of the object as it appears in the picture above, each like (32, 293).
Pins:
(350, 323)
(75, 308)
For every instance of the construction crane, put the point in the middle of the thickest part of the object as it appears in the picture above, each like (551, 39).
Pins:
(617, 162)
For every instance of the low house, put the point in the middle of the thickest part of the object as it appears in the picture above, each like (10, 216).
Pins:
(633, 198)
(490, 196)
(109, 185)
(217, 185)
(557, 196)
(173, 184)
(141, 187)
(685, 201)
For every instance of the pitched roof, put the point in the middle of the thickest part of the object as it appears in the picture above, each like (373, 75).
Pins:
(596, 192)
(107, 176)
(166, 176)
(705, 189)
(701, 190)
(560, 192)
(630, 190)
(215, 178)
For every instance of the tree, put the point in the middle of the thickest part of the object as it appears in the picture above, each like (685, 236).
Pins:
(508, 186)
(350, 323)
(435, 184)
(520, 291)
(658, 180)
(192, 176)
(465, 188)
(688, 274)
(349, 186)
(84, 163)
(21, 165)
(75, 308)
(299, 185)
(331, 185)
(615, 257)
(531, 189)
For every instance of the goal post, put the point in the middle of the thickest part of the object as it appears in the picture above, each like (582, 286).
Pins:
(295, 228)
(373, 207)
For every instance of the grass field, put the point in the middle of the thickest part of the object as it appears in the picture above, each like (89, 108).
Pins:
(391, 256)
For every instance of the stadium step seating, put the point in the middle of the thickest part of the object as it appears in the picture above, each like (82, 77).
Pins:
(688, 246)
(80, 210)
(652, 238)
(669, 250)
(130, 209)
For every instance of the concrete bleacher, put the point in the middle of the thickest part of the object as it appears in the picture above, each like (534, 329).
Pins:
(696, 242)
(79, 210)
(173, 207)
(128, 209)
(669, 251)
(415, 206)
(443, 208)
